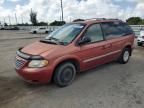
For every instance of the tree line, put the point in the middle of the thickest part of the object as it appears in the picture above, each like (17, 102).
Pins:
(35, 22)
(135, 21)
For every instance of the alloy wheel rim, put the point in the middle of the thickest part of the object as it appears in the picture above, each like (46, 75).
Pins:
(126, 56)
(67, 75)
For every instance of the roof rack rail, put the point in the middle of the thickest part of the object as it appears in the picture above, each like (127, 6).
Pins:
(113, 19)
(96, 19)
(102, 19)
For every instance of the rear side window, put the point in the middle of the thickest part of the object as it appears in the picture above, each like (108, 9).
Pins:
(115, 29)
(95, 33)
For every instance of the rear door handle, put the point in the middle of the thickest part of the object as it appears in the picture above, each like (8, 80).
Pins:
(107, 46)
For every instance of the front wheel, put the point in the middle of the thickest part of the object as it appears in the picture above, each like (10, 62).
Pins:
(124, 58)
(34, 32)
(64, 74)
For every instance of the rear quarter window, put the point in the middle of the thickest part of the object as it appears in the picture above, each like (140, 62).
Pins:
(42, 28)
(116, 29)
(124, 28)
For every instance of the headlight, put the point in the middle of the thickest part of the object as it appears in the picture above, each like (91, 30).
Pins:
(38, 63)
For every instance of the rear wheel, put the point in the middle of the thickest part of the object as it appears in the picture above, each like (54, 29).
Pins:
(124, 57)
(139, 44)
(64, 74)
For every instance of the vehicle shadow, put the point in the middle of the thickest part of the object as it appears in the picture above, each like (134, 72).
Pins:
(95, 69)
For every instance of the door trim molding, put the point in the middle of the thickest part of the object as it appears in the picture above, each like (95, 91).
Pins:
(99, 57)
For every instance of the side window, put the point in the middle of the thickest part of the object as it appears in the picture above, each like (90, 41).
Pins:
(95, 33)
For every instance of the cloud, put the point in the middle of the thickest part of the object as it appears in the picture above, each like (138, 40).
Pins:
(14, 0)
(1, 1)
(49, 10)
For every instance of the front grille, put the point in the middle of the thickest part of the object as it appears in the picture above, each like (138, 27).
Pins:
(19, 63)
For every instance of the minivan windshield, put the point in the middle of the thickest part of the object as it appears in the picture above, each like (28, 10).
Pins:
(66, 33)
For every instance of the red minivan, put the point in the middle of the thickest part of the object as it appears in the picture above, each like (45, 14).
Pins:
(75, 47)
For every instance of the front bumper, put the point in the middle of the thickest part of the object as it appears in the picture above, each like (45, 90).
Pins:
(35, 75)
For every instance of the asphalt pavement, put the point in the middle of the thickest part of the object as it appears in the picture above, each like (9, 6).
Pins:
(112, 85)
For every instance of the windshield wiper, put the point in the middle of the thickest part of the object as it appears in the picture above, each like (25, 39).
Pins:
(52, 39)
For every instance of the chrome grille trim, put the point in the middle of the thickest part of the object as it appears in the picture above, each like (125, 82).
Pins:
(19, 63)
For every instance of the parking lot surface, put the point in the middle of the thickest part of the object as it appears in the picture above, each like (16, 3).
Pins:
(109, 86)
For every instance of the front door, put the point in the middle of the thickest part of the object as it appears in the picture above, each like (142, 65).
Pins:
(95, 52)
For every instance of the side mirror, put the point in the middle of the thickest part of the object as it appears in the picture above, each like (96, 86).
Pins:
(85, 40)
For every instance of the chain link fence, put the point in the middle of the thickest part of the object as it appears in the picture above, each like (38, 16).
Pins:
(136, 28)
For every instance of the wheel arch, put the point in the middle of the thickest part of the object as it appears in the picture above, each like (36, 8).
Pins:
(74, 61)
(129, 47)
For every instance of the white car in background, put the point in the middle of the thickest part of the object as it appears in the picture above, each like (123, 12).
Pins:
(140, 40)
(40, 30)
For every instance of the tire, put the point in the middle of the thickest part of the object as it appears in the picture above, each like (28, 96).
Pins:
(46, 32)
(139, 44)
(34, 32)
(125, 56)
(64, 74)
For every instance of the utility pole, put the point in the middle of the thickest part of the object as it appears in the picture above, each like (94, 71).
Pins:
(62, 10)
(16, 18)
(9, 20)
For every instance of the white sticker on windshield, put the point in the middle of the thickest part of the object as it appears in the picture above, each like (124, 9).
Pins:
(77, 26)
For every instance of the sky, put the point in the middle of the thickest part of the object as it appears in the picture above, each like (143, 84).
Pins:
(49, 10)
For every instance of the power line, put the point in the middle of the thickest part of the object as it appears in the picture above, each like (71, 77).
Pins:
(4, 20)
(16, 18)
(22, 19)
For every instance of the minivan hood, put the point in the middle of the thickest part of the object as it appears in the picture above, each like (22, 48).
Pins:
(38, 48)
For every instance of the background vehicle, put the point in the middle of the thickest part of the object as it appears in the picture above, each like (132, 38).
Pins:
(140, 39)
(1, 28)
(39, 30)
(73, 48)
(10, 28)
